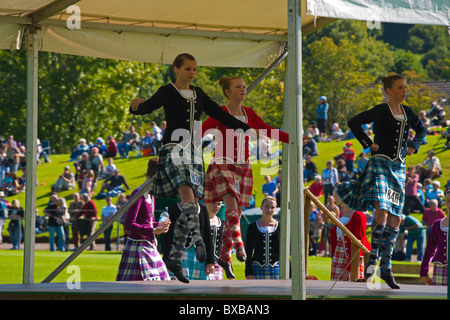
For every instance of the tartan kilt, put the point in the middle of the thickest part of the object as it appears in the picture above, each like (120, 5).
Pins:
(176, 170)
(141, 261)
(440, 275)
(382, 180)
(266, 271)
(340, 264)
(192, 268)
(218, 273)
(236, 179)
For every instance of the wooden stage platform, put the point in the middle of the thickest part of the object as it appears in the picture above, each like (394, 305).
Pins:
(217, 290)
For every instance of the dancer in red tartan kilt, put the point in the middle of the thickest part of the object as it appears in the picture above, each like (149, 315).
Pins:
(341, 245)
(229, 176)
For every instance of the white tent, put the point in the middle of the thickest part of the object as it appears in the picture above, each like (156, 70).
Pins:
(221, 33)
(250, 33)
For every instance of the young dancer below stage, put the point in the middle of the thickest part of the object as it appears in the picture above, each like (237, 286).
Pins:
(180, 170)
(229, 176)
(381, 187)
(216, 225)
(436, 251)
(192, 268)
(140, 258)
(263, 244)
(341, 245)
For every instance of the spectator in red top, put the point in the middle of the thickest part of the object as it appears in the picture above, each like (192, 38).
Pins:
(349, 157)
(432, 214)
(112, 150)
(89, 211)
(317, 187)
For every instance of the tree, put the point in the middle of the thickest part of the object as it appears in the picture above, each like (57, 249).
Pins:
(79, 97)
(419, 96)
(338, 72)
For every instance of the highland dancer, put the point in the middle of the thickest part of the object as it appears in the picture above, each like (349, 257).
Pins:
(180, 170)
(381, 187)
(229, 176)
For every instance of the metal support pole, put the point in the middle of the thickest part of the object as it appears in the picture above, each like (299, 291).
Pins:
(142, 189)
(294, 101)
(31, 154)
(269, 69)
(285, 218)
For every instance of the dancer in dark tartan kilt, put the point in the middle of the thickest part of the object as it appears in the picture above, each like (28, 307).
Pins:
(381, 187)
(229, 176)
(180, 172)
(140, 258)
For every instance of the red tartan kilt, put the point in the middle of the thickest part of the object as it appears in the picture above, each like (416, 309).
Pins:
(236, 179)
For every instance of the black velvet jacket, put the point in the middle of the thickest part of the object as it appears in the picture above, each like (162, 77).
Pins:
(391, 133)
(182, 112)
(262, 247)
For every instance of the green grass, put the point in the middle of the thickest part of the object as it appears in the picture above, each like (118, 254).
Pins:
(93, 266)
(102, 266)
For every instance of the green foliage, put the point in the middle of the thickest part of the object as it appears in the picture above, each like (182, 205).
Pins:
(337, 71)
(83, 97)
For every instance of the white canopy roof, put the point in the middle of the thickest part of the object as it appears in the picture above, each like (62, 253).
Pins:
(250, 33)
(220, 33)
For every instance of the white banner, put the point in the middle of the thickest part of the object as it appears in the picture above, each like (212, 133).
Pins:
(158, 48)
(10, 36)
(431, 12)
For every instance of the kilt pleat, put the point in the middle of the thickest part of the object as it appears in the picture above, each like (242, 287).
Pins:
(192, 268)
(383, 181)
(339, 264)
(440, 274)
(266, 271)
(236, 179)
(141, 261)
(176, 170)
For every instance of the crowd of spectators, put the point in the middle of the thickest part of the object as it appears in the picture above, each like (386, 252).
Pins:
(77, 218)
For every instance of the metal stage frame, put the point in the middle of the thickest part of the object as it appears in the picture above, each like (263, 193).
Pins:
(242, 290)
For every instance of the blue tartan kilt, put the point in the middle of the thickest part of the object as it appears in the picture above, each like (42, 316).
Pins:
(266, 271)
(383, 181)
(176, 169)
(192, 268)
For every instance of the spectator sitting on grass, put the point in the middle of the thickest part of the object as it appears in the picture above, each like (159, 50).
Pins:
(79, 149)
(66, 181)
(114, 183)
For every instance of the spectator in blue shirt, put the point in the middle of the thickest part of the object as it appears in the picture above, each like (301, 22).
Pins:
(107, 212)
(269, 188)
(322, 115)
(416, 232)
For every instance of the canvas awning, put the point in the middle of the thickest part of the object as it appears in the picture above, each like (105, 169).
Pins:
(218, 33)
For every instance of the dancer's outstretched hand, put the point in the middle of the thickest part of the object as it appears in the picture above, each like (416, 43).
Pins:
(374, 147)
(135, 103)
(410, 151)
